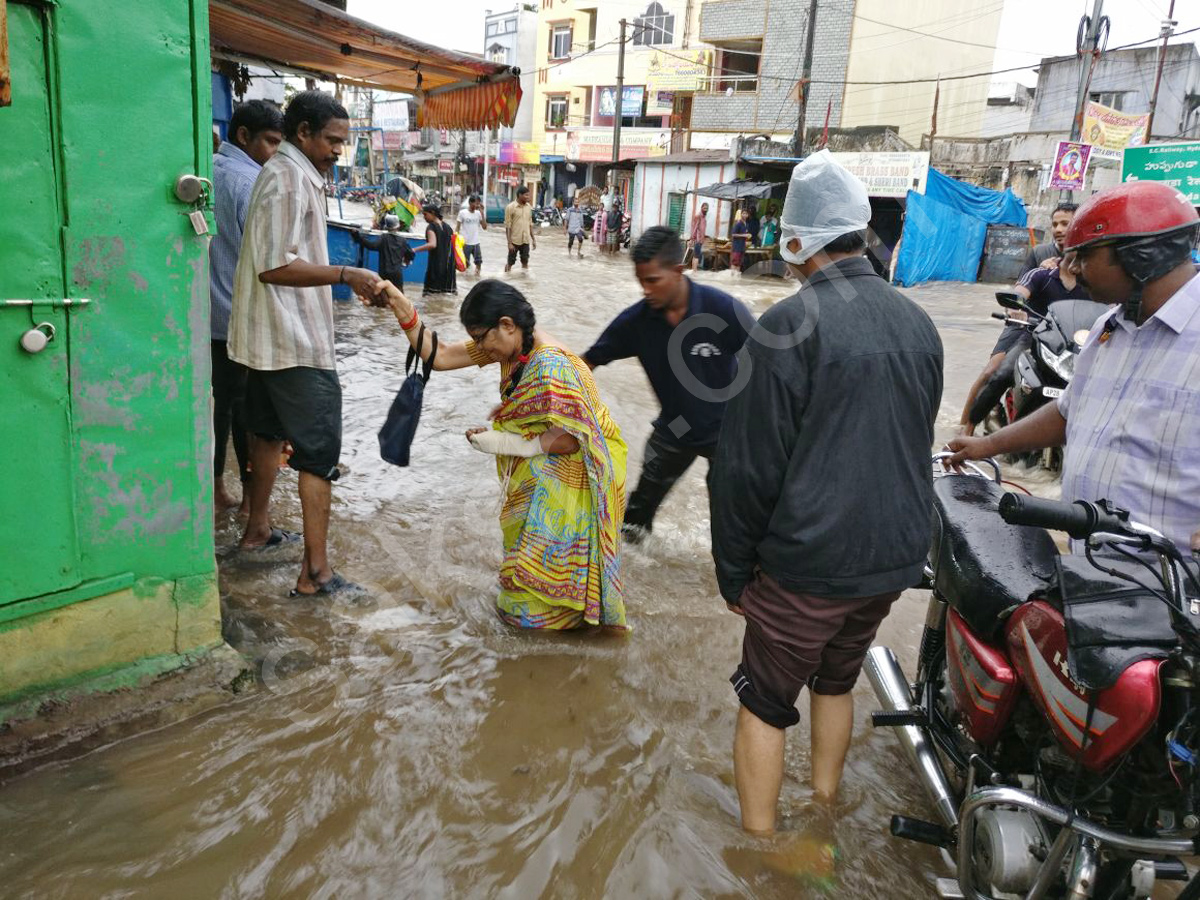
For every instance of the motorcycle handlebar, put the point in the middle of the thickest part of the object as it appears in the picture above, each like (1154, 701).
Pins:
(1001, 316)
(1079, 519)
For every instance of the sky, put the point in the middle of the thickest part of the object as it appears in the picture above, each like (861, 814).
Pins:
(1029, 29)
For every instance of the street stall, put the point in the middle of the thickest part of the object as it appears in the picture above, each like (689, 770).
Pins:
(736, 192)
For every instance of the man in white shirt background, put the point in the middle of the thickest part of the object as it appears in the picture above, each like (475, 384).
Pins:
(471, 223)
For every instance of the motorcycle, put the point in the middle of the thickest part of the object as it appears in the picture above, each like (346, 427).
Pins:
(1055, 716)
(1038, 370)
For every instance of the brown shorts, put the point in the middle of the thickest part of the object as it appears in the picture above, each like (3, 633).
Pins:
(794, 639)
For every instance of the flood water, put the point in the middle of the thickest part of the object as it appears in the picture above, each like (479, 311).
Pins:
(413, 746)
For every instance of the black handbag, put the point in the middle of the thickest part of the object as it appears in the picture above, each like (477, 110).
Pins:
(396, 435)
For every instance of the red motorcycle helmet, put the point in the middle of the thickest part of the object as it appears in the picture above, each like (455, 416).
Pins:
(1138, 209)
(1150, 225)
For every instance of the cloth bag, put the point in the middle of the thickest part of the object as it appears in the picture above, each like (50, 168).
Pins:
(460, 256)
(396, 435)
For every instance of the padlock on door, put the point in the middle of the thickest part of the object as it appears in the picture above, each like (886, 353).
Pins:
(37, 337)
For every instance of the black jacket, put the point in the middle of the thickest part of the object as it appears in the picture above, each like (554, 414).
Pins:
(822, 476)
(394, 252)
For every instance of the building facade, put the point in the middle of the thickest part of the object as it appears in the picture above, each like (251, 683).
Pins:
(510, 37)
(575, 99)
(757, 62)
(1123, 80)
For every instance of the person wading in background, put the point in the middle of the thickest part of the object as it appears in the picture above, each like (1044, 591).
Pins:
(255, 132)
(518, 227)
(281, 328)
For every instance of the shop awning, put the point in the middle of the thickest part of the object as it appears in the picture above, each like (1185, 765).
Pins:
(741, 187)
(453, 90)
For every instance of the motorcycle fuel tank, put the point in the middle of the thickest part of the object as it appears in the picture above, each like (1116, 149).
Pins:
(1119, 715)
(983, 682)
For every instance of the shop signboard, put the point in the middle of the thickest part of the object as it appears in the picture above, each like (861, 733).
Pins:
(595, 144)
(1110, 131)
(888, 174)
(390, 115)
(508, 175)
(519, 152)
(632, 98)
(446, 166)
(679, 70)
(394, 140)
(660, 103)
(1175, 164)
(1069, 172)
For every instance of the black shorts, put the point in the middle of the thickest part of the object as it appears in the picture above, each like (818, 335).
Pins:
(1011, 336)
(795, 639)
(574, 236)
(303, 406)
(523, 250)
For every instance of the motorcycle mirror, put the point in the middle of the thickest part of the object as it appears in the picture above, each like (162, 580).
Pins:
(1010, 300)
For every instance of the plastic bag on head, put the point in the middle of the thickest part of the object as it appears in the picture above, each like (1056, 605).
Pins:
(824, 201)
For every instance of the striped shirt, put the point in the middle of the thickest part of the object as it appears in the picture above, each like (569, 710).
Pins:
(1133, 417)
(234, 174)
(272, 326)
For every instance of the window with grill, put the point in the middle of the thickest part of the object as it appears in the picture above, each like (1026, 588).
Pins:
(560, 41)
(654, 27)
(556, 112)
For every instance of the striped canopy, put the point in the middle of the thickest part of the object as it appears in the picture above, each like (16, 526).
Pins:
(489, 105)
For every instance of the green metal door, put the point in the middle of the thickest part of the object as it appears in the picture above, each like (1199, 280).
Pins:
(37, 518)
(675, 204)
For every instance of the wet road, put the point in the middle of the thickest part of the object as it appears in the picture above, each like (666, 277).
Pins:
(412, 746)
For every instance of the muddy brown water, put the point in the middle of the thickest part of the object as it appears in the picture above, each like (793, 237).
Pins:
(413, 746)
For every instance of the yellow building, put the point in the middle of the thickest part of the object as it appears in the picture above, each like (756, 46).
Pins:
(574, 98)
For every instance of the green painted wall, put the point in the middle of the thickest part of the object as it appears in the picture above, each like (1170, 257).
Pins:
(113, 475)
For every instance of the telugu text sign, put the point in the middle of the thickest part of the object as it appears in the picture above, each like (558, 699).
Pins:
(888, 174)
(1109, 131)
(1175, 164)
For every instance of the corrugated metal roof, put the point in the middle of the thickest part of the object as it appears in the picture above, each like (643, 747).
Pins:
(689, 157)
(311, 36)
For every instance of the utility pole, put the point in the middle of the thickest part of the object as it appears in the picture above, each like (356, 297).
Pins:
(937, 96)
(486, 134)
(1086, 49)
(802, 87)
(616, 142)
(1168, 27)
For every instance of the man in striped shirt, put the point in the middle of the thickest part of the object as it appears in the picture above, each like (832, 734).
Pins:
(281, 328)
(1130, 418)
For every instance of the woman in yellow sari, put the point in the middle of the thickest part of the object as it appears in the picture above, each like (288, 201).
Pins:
(559, 456)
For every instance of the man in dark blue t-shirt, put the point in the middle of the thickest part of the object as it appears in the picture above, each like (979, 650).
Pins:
(687, 337)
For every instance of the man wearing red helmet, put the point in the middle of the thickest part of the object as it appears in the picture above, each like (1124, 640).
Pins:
(1130, 418)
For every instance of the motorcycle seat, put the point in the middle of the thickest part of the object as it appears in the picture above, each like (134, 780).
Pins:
(984, 567)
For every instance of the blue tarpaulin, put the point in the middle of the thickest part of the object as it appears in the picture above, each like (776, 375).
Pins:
(945, 229)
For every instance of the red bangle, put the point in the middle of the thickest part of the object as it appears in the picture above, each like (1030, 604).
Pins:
(411, 323)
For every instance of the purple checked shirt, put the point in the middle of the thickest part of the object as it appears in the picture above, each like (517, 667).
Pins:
(1133, 417)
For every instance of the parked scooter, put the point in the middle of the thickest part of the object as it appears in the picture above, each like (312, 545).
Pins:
(1055, 716)
(1037, 370)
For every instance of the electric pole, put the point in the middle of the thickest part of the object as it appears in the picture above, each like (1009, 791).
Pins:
(1087, 48)
(1168, 27)
(802, 87)
(616, 142)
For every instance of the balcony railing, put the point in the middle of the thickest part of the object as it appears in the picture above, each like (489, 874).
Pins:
(723, 84)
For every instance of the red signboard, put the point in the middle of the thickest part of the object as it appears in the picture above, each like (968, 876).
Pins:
(446, 166)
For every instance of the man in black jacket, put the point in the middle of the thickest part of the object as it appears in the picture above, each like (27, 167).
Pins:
(821, 487)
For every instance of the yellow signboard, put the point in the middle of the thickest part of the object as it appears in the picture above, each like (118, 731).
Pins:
(1109, 131)
(680, 70)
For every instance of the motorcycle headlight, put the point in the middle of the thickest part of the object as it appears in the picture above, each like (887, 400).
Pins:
(1063, 364)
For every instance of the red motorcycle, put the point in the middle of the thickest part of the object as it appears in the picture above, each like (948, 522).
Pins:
(1055, 717)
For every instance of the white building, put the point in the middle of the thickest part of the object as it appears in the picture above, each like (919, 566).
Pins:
(509, 37)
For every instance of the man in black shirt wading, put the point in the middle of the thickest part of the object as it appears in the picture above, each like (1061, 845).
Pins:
(822, 484)
(686, 336)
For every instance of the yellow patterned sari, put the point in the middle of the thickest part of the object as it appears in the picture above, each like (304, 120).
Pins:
(562, 513)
